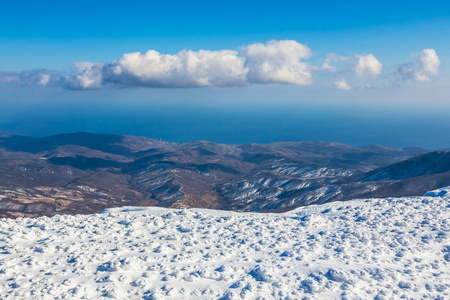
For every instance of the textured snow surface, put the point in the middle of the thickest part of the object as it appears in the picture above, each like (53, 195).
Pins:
(363, 249)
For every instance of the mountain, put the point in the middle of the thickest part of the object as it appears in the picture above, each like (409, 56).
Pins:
(430, 163)
(85, 173)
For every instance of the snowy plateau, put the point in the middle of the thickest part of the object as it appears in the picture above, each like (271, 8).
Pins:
(393, 248)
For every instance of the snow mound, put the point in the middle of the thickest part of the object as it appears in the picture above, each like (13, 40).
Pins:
(364, 249)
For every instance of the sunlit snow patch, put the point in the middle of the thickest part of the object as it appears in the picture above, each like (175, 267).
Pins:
(363, 249)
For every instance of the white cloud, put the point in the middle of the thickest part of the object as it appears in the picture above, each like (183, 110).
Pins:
(278, 62)
(368, 65)
(39, 77)
(9, 77)
(429, 61)
(420, 76)
(342, 85)
(428, 65)
(184, 69)
(44, 79)
(332, 57)
(273, 62)
(85, 75)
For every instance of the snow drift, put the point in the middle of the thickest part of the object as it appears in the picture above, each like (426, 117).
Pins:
(370, 249)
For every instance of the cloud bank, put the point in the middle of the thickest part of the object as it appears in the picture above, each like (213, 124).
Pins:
(274, 62)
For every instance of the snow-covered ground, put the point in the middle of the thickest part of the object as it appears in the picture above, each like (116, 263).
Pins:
(364, 249)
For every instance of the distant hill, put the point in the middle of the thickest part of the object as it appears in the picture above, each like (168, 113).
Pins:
(85, 173)
(430, 163)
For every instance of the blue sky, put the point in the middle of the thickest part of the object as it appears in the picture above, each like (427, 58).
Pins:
(391, 55)
(52, 34)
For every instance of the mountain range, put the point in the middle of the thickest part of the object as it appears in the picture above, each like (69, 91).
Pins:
(86, 173)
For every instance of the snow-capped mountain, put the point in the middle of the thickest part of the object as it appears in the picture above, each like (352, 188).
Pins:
(393, 248)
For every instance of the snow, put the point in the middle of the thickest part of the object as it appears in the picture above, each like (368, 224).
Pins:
(360, 249)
